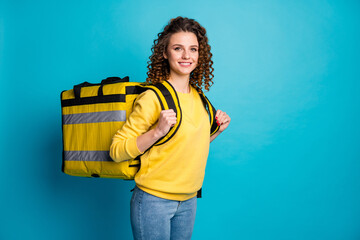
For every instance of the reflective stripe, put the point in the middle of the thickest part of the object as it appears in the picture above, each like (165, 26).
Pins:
(94, 117)
(97, 156)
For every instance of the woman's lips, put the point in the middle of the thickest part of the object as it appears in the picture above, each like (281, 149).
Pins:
(185, 64)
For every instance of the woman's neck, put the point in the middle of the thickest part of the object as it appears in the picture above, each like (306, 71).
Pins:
(181, 84)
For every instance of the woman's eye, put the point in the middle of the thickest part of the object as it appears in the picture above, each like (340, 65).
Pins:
(194, 49)
(177, 48)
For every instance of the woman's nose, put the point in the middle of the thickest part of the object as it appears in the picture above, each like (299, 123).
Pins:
(185, 54)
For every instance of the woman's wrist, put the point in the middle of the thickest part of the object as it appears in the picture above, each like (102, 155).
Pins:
(156, 134)
(147, 140)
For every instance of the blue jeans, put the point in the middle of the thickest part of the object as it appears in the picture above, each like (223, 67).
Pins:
(161, 219)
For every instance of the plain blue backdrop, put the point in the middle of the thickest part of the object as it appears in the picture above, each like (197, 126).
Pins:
(287, 72)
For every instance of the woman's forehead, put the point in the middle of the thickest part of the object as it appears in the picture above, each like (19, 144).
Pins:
(184, 39)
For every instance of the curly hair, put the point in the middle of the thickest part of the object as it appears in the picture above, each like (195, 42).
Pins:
(159, 68)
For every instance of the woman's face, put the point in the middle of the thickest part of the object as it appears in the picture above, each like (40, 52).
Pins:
(182, 53)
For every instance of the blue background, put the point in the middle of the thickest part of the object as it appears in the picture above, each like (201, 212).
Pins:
(287, 72)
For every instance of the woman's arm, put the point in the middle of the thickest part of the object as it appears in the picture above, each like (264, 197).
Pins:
(223, 120)
(144, 115)
(167, 119)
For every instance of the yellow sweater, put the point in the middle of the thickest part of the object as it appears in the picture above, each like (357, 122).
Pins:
(174, 170)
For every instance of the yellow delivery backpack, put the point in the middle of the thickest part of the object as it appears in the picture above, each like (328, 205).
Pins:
(93, 113)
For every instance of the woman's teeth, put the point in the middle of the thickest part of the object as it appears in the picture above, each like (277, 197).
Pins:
(185, 64)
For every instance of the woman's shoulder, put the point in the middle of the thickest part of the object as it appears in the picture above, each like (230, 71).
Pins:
(148, 95)
(148, 98)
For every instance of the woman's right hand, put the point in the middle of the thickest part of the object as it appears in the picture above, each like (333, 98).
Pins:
(166, 120)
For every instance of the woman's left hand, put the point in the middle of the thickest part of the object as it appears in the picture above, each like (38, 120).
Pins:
(222, 119)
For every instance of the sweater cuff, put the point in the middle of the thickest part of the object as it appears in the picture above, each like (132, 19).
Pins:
(132, 147)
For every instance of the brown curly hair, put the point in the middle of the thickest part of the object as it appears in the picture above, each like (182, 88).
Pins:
(159, 69)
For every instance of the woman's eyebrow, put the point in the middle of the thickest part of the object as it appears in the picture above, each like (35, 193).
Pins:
(177, 44)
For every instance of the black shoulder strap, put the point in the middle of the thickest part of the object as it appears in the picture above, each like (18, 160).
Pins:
(168, 100)
(212, 112)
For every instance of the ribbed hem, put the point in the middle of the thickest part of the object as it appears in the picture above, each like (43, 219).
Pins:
(169, 196)
(132, 148)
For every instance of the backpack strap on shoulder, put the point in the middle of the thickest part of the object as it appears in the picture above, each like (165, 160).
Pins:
(212, 112)
(168, 100)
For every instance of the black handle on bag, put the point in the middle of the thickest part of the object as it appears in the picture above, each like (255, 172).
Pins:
(114, 80)
(109, 80)
(77, 88)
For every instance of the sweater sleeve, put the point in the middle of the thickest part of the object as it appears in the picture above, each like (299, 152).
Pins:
(146, 112)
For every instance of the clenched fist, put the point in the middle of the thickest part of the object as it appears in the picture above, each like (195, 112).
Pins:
(166, 120)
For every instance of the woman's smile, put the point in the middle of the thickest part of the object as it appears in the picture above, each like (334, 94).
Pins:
(185, 64)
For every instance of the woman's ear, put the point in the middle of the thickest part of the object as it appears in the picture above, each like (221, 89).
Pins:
(164, 53)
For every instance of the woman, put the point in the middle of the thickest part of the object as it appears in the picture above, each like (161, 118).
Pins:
(163, 205)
